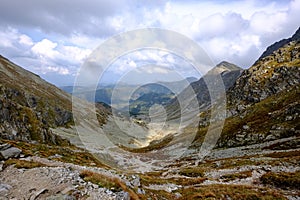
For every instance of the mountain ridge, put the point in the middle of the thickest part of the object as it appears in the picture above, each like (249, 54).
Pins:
(279, 44)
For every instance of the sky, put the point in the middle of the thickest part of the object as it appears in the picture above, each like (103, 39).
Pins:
(54, 38)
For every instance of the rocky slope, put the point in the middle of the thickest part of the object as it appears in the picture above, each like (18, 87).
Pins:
(263, 103)
(31, 109)
(29, 106)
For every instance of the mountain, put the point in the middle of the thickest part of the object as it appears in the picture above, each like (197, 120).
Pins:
(263, 103)
(228, 72)
(280, 44)
(32, 109)
(178, 86)
(142, 104)
(29, 106)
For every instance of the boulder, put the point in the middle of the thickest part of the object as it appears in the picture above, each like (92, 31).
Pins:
(11, 152)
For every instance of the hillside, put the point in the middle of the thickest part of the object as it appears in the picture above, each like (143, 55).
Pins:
(228, 72)
(263, 103)
(29, 106)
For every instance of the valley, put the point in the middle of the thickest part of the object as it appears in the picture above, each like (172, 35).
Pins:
(162, 142)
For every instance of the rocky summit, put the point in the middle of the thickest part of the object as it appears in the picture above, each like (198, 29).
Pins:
(256, 156)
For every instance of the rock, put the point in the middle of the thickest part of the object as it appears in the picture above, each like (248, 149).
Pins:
(4, 146)
(288, 118)
(4, 189)
(122, 196)
(246, 127)
(177, 195)
(11, 152)
(61, 197)
(140, 191)
(37, 194)
(136, 181)
(271, 137)
(1, 165)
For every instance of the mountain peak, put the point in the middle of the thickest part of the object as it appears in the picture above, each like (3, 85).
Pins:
(224, 66)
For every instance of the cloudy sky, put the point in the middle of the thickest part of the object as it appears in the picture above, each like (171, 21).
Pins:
(53, 38)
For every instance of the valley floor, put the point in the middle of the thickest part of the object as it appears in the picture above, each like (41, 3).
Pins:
(235, 173)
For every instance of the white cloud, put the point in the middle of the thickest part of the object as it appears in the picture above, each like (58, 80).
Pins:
(236, 31)
(45, 48)
(59, 70)
(152, 69)
(25, 40)
(8, 36)
(74, 54)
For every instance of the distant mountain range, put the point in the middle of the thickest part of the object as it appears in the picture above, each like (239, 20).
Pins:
(104, 94)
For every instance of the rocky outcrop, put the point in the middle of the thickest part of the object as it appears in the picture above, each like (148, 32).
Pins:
(52, 183)
(272, 74)
(264, 103)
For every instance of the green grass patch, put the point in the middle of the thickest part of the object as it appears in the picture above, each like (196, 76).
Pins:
(111, 183)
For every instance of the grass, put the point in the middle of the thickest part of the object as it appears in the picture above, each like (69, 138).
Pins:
(113, 183)
(234, 176)
(23, 164)
(284, 154)
(69, 154)
(185, 181)
(192, 172)
(282, 179)
(217, 191)
(229, 192)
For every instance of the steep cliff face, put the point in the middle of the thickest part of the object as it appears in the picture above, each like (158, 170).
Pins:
(29, 106)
